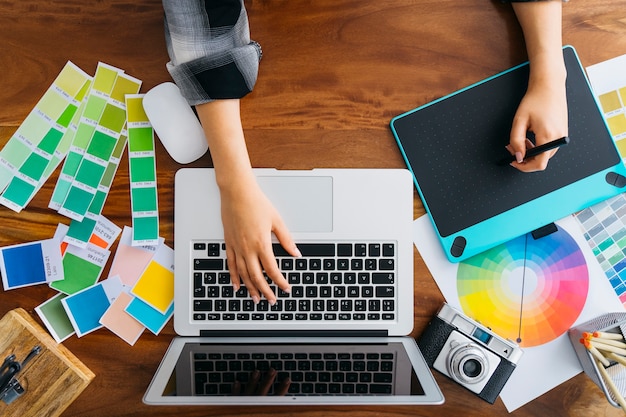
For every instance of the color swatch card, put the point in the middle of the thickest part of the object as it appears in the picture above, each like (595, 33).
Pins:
(54, 317)
(155, 287)
(604, 225)
(151, 318)
(80, 230)
(86, 307)
(143, 178)
(98, 95)
(100, 147)
(26, 158)
(608, 81)
(31, 263)
(96, 139)
(531, 291)
(130, 261)
(103, 233)
(118, 321)
(68, 137)
(82, 268)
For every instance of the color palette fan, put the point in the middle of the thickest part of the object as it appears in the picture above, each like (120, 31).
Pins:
(529, 290)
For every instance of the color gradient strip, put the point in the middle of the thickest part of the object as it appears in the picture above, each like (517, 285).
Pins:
(97, 97)
(80, 231)
(142, 171)
(26, 159)
(104, 140)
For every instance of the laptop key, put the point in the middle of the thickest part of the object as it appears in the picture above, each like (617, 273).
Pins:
(380, 389)
(208, 264)
(203, 305)
(385, 291)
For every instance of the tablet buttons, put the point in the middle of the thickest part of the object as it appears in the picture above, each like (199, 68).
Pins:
(458, 246)
(613, 178)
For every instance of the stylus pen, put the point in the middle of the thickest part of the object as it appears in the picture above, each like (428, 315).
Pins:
(538, 150)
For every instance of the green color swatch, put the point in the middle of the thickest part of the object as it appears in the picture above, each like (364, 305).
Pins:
(142, 173)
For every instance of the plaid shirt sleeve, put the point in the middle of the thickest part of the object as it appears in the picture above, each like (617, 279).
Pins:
(211, 54)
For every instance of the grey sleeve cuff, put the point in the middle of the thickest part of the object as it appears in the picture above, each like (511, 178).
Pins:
(211, 54)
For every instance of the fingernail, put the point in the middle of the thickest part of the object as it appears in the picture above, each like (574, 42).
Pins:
(236, 287)
(298, 253)
(271, 302)
(518, 157)
(256, 299)
(287, 290)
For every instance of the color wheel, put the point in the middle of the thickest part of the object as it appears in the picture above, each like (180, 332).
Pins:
(529, 291)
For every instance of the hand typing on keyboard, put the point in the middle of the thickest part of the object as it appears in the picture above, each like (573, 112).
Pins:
(331, 281)
(249, 219)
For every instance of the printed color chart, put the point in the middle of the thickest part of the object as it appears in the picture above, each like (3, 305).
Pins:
(29, 156)
(142, 169)
(605, 223)
(608, 80)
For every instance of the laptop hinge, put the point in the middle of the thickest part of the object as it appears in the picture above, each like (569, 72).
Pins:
(294, 333)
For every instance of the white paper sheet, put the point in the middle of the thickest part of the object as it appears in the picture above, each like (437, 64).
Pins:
(544, 366)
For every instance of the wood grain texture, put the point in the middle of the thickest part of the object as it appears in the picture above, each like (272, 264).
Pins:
(333, 74)
(52, 379)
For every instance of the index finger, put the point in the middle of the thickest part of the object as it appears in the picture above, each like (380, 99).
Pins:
(536, 163)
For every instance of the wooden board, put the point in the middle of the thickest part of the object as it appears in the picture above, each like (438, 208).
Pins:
(52, 379)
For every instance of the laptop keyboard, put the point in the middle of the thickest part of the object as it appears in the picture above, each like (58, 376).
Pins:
(314, 373)
(331, 282)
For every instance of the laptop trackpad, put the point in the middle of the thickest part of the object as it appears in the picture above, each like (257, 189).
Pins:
(305, 203)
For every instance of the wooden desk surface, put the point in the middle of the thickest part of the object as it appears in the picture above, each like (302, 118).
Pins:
(334, 73)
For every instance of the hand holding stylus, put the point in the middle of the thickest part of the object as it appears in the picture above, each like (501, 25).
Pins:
(533, 151)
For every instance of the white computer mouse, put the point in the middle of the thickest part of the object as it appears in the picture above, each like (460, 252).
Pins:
(175, 123)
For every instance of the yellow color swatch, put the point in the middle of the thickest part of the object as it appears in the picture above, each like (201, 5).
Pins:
(71, 79)
(610, 101)
(617, 124)
(156, 287)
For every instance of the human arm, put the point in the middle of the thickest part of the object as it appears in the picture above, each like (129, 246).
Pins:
(214, 62)
(543, 109)
(248, 216)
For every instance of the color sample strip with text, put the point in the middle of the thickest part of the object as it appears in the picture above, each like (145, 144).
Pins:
(142, 169)
(103, 142)
(26, 158)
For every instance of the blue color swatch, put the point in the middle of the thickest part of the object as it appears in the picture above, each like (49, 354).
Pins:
(151, 318)
(23, 265)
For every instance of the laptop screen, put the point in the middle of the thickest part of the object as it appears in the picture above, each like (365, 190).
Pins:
(298, 370)
(219, 373)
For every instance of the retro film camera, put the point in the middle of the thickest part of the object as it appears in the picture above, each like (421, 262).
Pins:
(469, 353)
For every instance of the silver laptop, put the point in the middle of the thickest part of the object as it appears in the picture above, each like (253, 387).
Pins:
(339, 337)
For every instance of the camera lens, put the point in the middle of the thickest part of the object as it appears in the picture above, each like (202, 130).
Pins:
(467, 364)
(472, 368)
